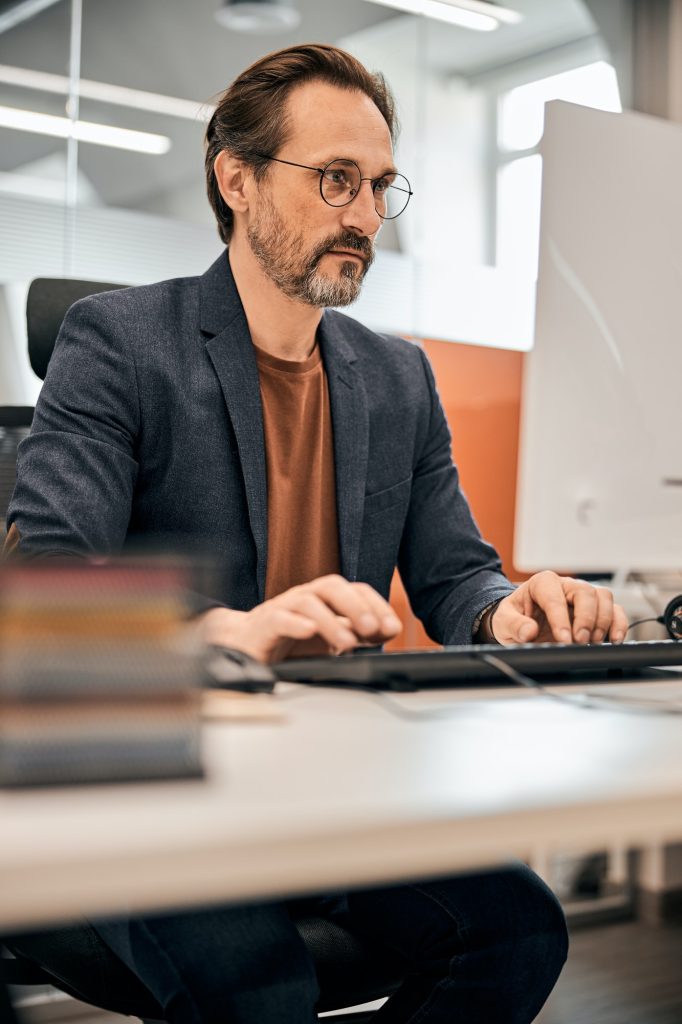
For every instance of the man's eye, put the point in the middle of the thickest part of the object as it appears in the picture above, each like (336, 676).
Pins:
(381, 186)
(337, 177)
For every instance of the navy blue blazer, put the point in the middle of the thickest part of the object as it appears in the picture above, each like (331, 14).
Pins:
(149, 424)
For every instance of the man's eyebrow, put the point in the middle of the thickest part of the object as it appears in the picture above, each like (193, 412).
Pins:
(326, 161)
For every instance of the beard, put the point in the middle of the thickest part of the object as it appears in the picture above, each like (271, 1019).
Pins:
(283, 256)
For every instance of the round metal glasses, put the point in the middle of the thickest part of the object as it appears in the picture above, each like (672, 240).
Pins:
(341, 180)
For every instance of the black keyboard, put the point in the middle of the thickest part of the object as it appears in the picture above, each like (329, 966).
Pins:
(464, 666)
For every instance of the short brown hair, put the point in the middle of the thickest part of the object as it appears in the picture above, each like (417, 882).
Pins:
(249, 118)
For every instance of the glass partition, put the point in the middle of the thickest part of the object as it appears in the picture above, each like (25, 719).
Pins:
(120, 196)
(34, 65)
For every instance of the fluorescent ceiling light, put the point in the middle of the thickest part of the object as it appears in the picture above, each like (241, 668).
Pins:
(84, 131)
(493, 10)
(258, 16)
(22, 12)
(474, 14)
(117, 95)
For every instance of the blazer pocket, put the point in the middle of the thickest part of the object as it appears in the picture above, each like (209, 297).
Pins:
(397, 494)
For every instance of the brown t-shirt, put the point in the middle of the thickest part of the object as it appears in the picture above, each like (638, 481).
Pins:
(303, 540)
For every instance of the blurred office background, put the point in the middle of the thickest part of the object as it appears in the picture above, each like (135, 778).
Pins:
(102, 112)
(121, 198)
(125, 202)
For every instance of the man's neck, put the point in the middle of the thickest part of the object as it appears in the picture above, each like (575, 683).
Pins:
(279, 325)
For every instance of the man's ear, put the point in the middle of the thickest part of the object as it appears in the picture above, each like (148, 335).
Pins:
(231, 176)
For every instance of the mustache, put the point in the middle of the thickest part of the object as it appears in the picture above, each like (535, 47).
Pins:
(353, 243)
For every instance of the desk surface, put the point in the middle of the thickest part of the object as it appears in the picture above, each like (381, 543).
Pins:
(341, 792)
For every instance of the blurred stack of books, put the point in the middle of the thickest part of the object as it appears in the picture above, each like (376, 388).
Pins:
(99, 674)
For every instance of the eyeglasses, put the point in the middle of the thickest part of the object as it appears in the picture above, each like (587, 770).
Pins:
(340, 182)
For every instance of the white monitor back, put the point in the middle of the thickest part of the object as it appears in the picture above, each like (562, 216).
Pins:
(600, 472)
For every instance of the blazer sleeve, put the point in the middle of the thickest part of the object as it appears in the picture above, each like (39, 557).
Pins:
(76, 470)
(449, 571)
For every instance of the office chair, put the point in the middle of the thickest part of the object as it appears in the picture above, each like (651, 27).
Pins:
(47, 302)
(15, 422)
(75, 959)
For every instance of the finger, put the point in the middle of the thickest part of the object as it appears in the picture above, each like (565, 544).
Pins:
(520, 629)
(280, 623)
(328, 625)
(583, 597)
(268, 631)
(547, 592)
(369, 614)
(511, 626)
(604, 614)
(619, 626)
(361, 605)
(389, 623)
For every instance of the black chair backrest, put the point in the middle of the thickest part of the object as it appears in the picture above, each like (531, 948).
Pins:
(48, 300)
(15, 421)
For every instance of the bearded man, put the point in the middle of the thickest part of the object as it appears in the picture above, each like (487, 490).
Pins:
(312, 456)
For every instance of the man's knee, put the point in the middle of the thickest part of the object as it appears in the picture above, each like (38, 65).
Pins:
(509, 908)
(514, 906)
(510, 928)
(540, 916)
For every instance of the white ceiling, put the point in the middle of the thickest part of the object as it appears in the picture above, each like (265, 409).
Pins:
(175, 47)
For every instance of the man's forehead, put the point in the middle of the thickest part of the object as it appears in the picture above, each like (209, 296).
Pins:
(324, 117)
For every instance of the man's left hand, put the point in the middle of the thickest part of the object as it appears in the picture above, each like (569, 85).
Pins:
(551, 608)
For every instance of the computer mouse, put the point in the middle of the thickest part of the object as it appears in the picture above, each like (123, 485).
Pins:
(230, 669)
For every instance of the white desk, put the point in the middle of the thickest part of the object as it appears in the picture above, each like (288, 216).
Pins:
(342, 793)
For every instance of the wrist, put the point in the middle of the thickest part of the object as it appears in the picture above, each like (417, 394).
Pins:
(220, 626)
(485, 634)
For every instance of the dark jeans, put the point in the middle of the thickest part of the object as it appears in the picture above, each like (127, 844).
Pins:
(482, 949)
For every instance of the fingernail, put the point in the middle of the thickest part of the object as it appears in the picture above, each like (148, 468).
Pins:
(390, 624)
(617, 637)
(565, 636)
(345, 639)
(368, 623)
(583, 636)
(525, 634)
(597, 636)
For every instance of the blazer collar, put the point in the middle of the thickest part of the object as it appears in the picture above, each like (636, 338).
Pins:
(350, 419)
(231, 351)
(219, 299)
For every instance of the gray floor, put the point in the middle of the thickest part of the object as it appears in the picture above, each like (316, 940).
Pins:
(616, 974)
(620, 974)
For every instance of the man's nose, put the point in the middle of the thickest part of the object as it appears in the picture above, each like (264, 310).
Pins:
(361, 216)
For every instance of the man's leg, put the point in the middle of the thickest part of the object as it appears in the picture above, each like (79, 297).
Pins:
(483, 948)
(6, 1012)
(240, 964)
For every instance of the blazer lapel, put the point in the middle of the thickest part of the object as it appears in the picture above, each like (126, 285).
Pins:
(232, 354)
(350, 420)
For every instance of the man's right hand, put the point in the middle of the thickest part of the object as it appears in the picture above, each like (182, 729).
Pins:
(328, 615)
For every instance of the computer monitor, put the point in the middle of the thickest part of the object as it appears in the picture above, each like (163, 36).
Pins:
(600, 471)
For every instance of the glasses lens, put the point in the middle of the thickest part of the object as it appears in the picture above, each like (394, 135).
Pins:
(340, 182)
(391, 195)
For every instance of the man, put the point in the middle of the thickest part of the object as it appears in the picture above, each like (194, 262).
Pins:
(313, 456)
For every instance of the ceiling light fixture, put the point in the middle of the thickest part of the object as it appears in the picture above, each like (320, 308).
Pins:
(84, 131)
(480, 15)
(22, 11)
(103, 92)
(258, 16)
(489, 8)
